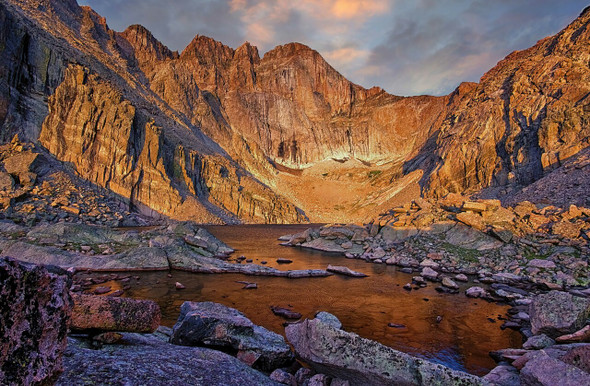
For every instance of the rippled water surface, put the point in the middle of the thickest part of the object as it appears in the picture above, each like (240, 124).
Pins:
(365, 306)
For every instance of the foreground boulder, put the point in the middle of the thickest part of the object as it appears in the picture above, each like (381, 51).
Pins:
(35, 306)
(345, 355)
(215, 325)
(558, 313)
(139, 359)
(566, 365)
(104, 313)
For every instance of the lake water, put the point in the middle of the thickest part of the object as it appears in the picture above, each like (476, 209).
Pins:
(365, 306)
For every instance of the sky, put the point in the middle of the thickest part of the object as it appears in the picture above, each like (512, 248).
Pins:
(407, 47)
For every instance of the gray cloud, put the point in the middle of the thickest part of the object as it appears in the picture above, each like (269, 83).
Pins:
(432, 46)
(408, 47)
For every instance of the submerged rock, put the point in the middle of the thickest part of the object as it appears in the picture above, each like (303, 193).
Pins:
(35, 306)
(215, 325)
(361, 361)
(285, 312)
(344, 271)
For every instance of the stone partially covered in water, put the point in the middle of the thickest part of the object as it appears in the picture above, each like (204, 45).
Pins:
(35, 306)
(558, 313)
(102, 313)
(344, 271)
(361, 361)
(215, 325)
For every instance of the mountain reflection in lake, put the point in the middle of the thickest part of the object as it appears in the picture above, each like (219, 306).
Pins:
(365, 306)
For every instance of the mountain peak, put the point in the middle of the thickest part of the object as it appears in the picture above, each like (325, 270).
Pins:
(289, 50)
(145, 44)
(207, 51)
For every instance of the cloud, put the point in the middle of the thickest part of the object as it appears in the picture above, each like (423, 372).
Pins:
(408, 47)
(432, 46)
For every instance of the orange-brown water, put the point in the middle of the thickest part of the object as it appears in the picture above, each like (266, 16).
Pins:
(365, 306)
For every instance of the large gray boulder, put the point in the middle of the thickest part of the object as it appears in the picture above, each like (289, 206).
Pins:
(345, 355)
(35, 306)
(558, 313)
(139, 359)
(218, 326)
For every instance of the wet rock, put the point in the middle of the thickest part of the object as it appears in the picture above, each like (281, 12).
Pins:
(139, 359)
(558, 313)
(179, 286)
(538, 342)
(344, 271)
(461, 277)
(101, 290)
(396, 325)
(284, 261)
(449, 283)
(35, 306)
(429, 273)
(507, 278)
(475, 292)
(329, 319)
(215, 325)
(336, 353)
(285, 312)
(104, 313)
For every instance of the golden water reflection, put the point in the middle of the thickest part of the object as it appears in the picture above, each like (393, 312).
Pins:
(365, 306)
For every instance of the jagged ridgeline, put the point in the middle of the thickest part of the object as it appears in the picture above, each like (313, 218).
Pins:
(216, 134)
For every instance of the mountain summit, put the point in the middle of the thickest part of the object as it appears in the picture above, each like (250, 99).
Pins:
(220, 135)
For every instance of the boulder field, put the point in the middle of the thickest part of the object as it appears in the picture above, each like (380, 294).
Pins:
(118, 340)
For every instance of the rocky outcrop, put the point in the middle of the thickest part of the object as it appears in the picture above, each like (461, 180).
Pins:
(541, 245)
(148, 359)
(215, 325)
(527, 116)
(35, 308)
(102, 313)
(361, 361)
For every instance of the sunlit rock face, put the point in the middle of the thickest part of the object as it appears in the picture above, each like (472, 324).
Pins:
(218, 134)
(527, 116)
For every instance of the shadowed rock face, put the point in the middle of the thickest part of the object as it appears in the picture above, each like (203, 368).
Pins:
(218, 134)
(36, 306)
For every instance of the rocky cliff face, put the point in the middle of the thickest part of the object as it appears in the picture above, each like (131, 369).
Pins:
(65, 71)
(527, 116)
(218, 134)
